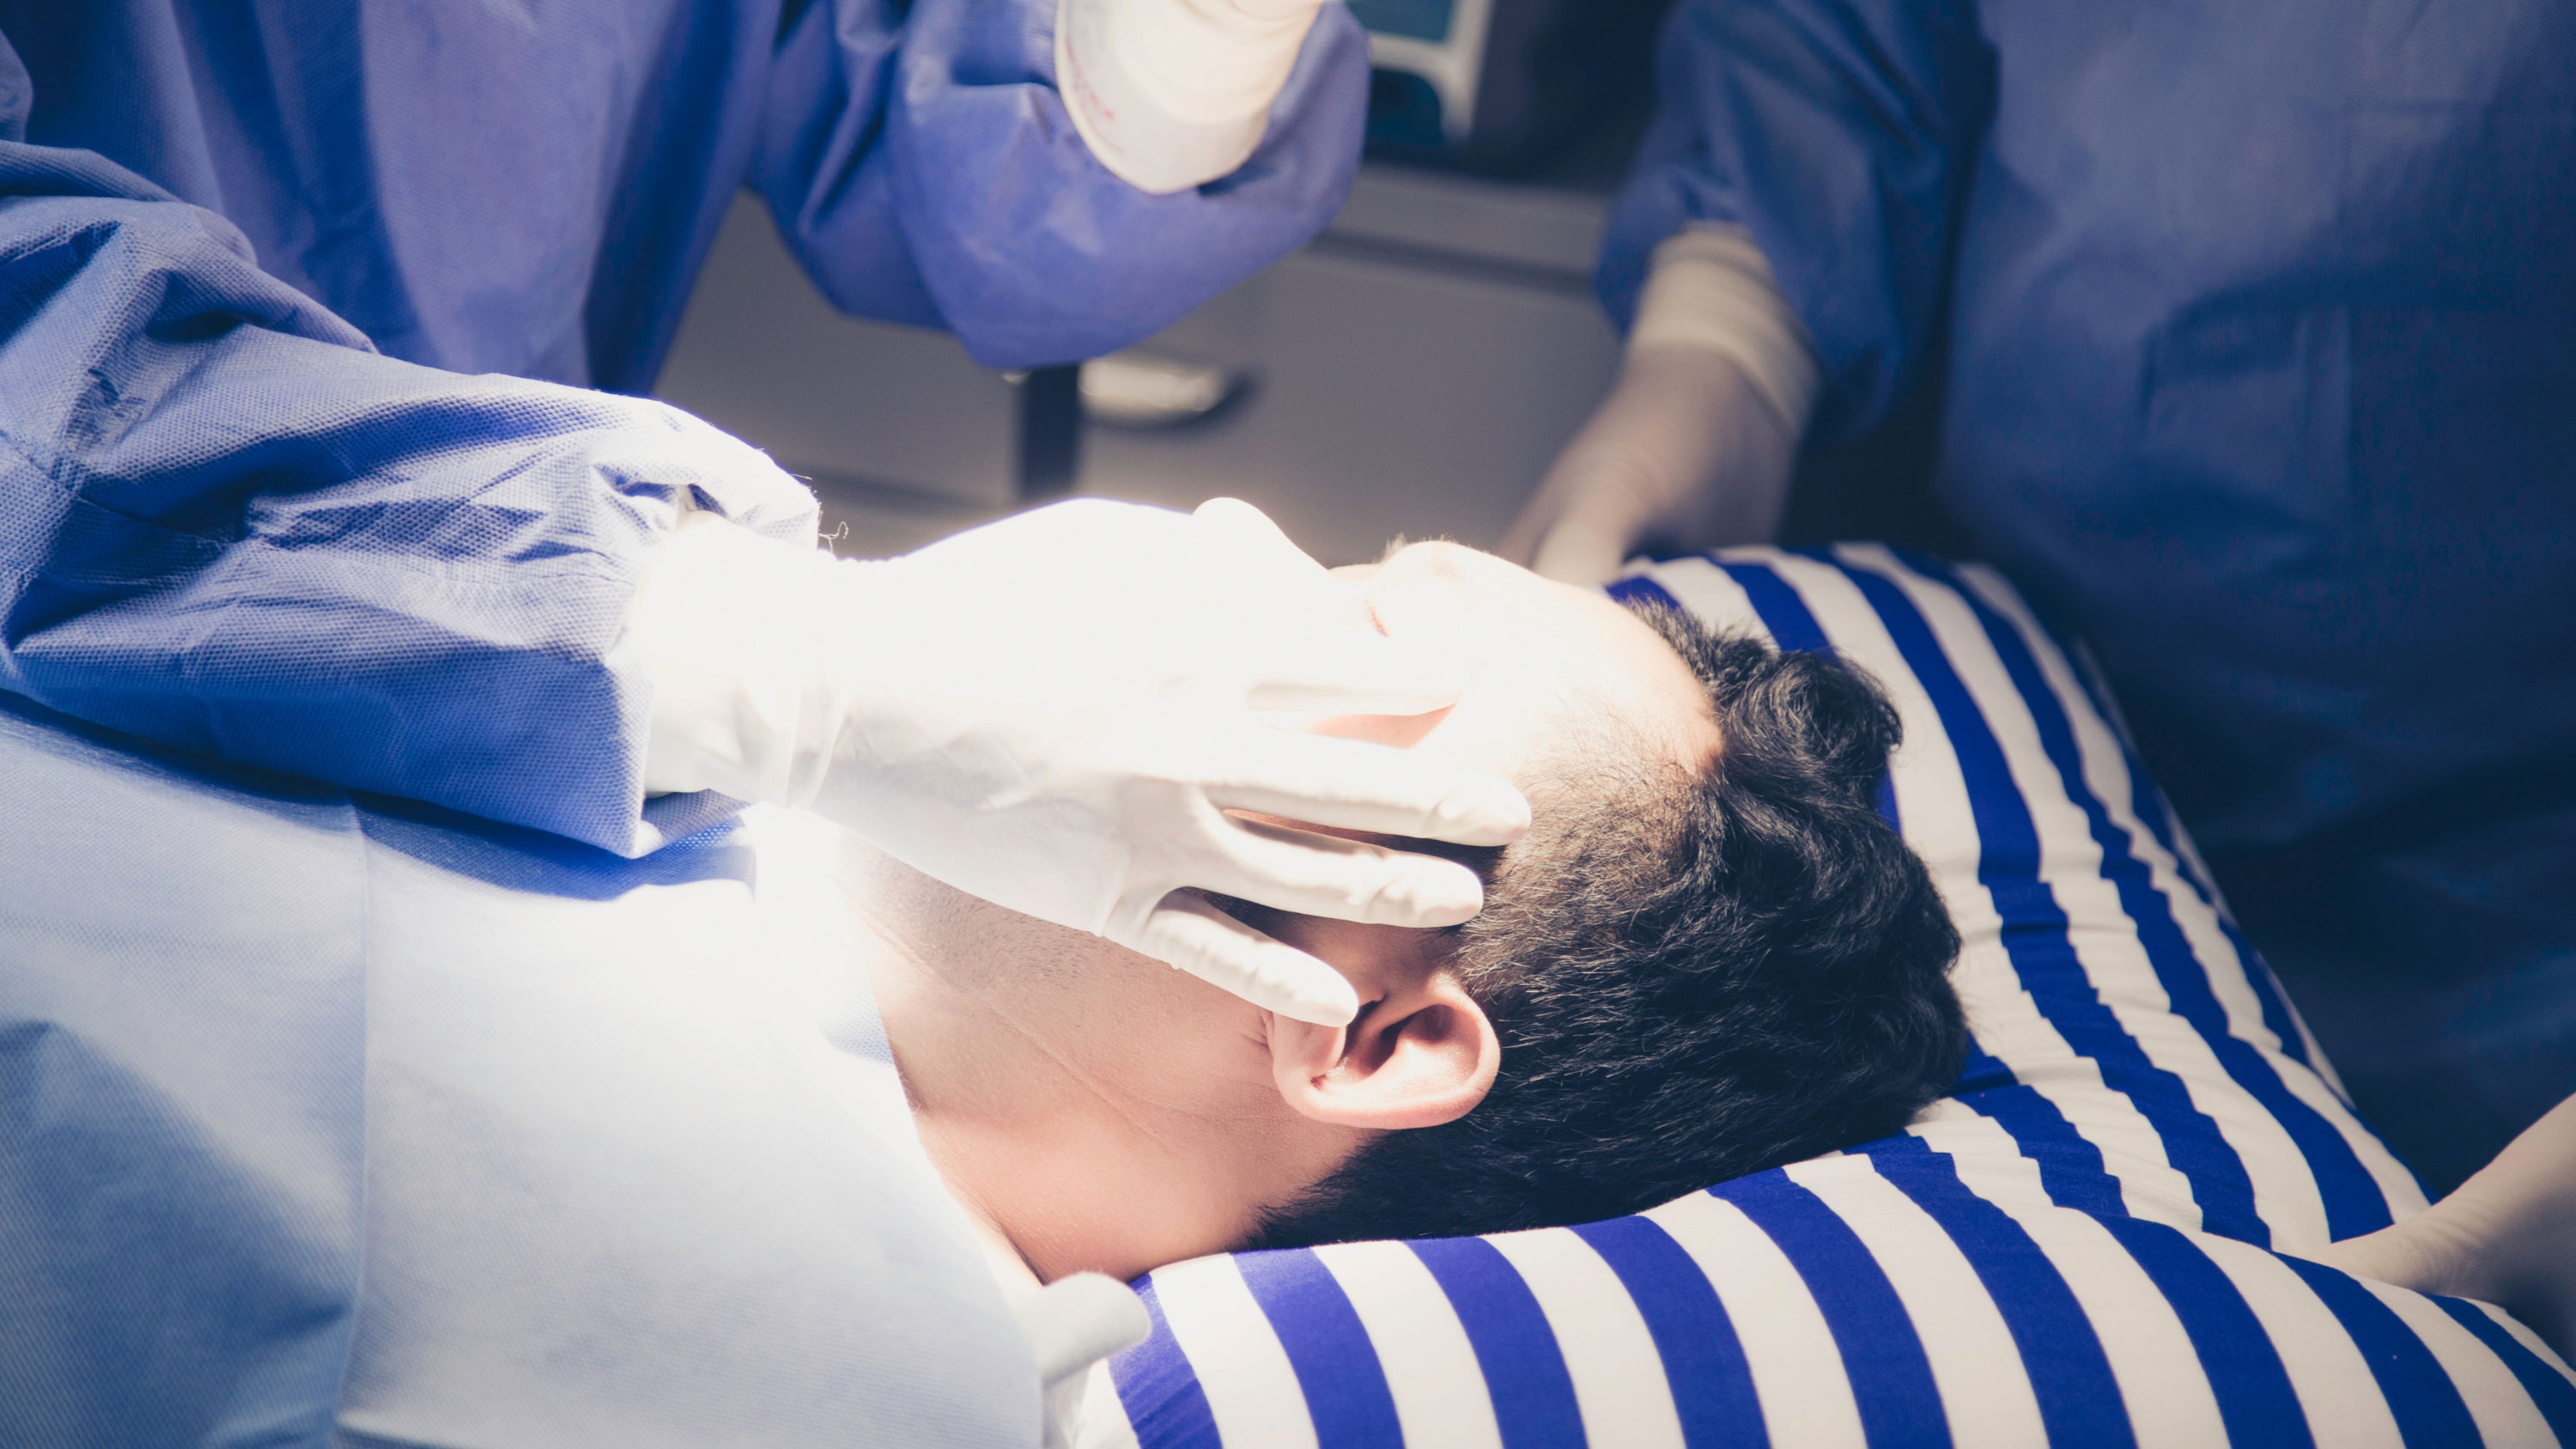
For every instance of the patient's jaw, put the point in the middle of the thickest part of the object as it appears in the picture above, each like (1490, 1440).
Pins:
(1108, 1113)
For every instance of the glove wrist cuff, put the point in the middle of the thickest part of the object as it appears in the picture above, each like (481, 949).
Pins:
(740, 642)
(1171, 94)
(1711, 292)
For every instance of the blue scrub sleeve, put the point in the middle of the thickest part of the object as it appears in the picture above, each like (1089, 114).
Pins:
(228, 524)
(920, 162)
(1841, 135)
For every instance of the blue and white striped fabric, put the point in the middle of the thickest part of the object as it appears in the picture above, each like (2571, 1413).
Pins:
(2088, 1243)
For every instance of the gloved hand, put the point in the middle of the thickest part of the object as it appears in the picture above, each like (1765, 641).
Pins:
(2507, 1236)
(1695, 444)
(1171, 94)
(1684, 454)
(1056, 712)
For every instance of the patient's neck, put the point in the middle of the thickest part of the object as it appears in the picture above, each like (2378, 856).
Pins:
(1099, 1110)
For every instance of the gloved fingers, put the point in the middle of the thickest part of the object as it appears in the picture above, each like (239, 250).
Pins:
(1583, 551)
(1615, 494)
(1076, 1321)
(1586, 518)
(1195, 936)
(1246, 527)
(1537, 516)
(1355, 785)
(1257, 558)
(1315, 874)
(1684, 451)
(1319, 651)
(1340, 672)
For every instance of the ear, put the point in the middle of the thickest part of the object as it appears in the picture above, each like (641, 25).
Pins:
(1422, 1055)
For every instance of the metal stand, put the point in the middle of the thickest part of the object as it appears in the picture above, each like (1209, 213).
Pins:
(1050, 451)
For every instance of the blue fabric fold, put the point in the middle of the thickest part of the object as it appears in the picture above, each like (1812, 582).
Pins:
(327, 1116)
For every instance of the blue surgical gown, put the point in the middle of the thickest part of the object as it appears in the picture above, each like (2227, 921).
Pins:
(301, 303)
(2253, 336)
(335, 1120)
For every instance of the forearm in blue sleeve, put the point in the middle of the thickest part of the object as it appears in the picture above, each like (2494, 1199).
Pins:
(1840, 134)
(921, 164)
(229, 525)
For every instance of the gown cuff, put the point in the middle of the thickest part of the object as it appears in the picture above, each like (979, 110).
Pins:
(730, 634)
(1710, 291)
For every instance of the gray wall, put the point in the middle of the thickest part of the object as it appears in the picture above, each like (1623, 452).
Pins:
(1412, 371)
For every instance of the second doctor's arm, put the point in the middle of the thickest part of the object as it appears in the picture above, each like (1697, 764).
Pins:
(925, 167)
(1778, 253)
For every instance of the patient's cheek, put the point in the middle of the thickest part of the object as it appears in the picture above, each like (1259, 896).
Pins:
(1365, 953)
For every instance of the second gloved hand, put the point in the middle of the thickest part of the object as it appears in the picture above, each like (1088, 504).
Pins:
(1171, 94)
(1694, 446)
(1684, 454)
(1057, 712)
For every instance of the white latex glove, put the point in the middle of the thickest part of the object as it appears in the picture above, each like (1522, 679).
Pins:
(1055, 712)
(1695, 444)
(1171, 94)
(2506, 1236)
(1071, 1324)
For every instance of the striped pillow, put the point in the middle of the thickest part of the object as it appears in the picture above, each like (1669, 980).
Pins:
(2084, 1244)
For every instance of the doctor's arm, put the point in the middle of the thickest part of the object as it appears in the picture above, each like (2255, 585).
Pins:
(229, 525)
(929, 165)
(1780, 256)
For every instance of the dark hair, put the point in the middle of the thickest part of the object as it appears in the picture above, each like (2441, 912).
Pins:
(1695, 975)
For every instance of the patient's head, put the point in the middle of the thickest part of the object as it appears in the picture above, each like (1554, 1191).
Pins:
(1709, 955)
